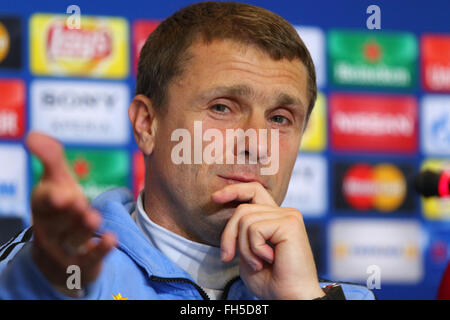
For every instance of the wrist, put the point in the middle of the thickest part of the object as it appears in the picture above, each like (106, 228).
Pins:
(332, 292)
(314, 293)
(311, 292)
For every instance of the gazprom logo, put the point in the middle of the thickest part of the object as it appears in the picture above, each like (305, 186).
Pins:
(440, 129)
(343, 250)
(8, 189)
(435, 119)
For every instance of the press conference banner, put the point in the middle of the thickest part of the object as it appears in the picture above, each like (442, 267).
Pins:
(382, 114)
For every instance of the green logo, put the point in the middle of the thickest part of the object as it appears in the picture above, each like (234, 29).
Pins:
(373, 59)
(95, 170)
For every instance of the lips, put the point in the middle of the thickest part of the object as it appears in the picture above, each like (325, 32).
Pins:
(242, 178)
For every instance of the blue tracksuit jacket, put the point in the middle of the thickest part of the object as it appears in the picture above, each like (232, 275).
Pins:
(135, 269)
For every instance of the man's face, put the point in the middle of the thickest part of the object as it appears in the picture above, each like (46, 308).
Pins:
(227, 85)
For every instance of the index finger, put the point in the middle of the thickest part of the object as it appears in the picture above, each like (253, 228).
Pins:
(51, 153)
(252, 192)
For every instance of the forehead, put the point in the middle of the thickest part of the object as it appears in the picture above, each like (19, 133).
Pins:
(244, 70)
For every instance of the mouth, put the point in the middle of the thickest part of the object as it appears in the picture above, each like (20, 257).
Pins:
(242, 178)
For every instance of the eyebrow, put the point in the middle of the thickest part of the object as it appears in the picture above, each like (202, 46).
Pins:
(242, 90)
(234, 90)
(287, 99)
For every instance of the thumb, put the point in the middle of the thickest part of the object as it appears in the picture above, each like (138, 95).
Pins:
(51, 154)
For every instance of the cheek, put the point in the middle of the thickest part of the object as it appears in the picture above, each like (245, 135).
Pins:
(289, 148)
(283, 177)
(287, 157)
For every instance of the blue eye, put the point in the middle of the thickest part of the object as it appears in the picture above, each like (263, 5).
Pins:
(221, 108)
(280, 119)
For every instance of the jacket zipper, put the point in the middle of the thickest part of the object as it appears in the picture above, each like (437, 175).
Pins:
(228, 287)
(183, 280)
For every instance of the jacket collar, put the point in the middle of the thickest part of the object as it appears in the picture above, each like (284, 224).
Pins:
(116, 207)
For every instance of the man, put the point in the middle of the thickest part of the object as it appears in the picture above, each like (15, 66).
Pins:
(200, 229)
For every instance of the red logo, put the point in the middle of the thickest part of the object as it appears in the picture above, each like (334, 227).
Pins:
(138, 172)
(141, 31)
(382, 187)
(87, 44)
(372, 52)
(373, 123)
(439, 251)
(358, 186)
(81, 168)
(436, 62)
(12, 105)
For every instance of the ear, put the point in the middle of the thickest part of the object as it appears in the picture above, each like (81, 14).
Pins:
(142, 116)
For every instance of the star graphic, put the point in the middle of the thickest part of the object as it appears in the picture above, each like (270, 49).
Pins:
(119, 297)
(372, 52)
(81, 168)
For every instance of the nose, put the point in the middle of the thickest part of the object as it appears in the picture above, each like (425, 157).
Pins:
(252, 140)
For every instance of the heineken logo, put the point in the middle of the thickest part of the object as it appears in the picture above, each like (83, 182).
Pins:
(365, 75)
(95, 170)
(364, 59)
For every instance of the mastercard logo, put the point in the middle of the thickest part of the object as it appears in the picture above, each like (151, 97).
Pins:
(4, 42)
(382, 187)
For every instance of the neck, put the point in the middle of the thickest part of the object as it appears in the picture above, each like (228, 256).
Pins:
(202, 262)
(161, 212)
(163, 208)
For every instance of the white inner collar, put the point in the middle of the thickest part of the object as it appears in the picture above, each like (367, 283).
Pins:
(202, 262)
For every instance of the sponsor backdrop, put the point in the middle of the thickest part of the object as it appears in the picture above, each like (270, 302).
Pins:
(382, 114)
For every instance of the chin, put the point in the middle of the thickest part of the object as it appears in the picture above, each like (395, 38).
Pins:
(214, 224)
